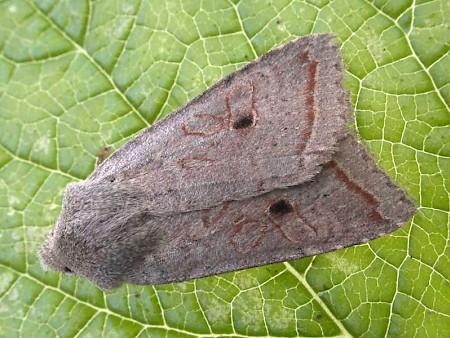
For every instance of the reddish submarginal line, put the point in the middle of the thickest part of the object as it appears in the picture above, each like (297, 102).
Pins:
(310, 86)
(374, 215)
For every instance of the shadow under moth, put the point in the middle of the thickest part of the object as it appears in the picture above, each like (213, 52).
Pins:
(258, 169)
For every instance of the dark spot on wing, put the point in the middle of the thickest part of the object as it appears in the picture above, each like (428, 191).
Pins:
(281, 207)
(243, 122)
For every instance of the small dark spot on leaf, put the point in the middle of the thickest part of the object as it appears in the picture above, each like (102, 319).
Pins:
(319, 317)
(280, 208)
(243, 122)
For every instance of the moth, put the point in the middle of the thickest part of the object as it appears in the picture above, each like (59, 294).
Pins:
(259, 169)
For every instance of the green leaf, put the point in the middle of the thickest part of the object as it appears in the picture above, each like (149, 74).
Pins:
(76, 76)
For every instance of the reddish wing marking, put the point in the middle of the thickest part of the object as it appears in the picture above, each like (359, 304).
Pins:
(247, 234)
(195, 162)
(209, 220)
(199, 131)
(277, 220)
(304, 220)
(310, 100)
(374, 215)
(245, 116)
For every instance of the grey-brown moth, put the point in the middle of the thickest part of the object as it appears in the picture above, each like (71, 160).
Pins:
(258, 169)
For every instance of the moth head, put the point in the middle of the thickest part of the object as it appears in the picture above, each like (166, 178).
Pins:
(102, 234)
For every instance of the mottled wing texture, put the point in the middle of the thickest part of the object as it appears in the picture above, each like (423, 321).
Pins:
(272, 124)
(349, 202)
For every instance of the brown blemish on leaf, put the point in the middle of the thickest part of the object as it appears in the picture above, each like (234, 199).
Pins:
(103, 154)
